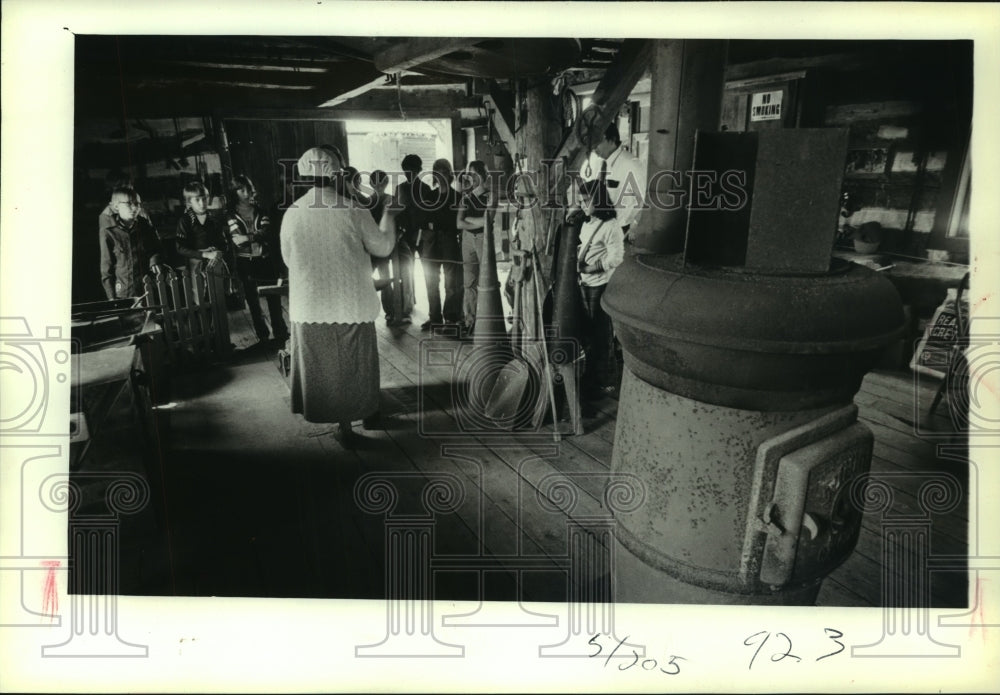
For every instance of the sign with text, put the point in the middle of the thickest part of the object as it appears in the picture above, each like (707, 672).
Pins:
(766, 106)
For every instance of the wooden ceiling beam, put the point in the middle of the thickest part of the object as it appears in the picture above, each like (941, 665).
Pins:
(771, 66)
(389, 100)
(352, 93)
(334, 114)
(609, 95)
(257, 50)
(211, 82)
(414, 52)
(166, 76)
(298, 67)
(104, 101)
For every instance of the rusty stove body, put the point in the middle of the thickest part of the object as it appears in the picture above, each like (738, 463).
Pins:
(743, 355)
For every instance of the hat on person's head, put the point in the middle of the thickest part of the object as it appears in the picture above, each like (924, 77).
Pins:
(318, 162)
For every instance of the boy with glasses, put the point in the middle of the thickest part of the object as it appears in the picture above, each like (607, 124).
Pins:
(129, 246)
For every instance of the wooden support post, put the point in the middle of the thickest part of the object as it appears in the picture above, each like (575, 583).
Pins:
(541, 134)
(537, 137)
(687, 84)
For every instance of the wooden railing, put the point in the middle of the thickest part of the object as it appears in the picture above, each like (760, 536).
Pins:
(194, 313)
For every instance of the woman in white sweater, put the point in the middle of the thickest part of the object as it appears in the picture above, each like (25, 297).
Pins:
(327, 240)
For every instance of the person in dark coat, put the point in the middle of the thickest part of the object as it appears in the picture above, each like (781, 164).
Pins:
(412, 194)
(130, 247)
(440, 248)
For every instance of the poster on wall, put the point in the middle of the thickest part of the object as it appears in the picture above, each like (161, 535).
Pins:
(766, 106)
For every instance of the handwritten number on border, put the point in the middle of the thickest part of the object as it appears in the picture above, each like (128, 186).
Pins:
(673, 662)
(788, 652)
(608, 660)
(647, 664)
(834, 635)
(759, 639)
(748, 643)
(777, 656)
(634, 662)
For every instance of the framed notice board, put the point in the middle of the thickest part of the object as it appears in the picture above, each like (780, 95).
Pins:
(762, 103)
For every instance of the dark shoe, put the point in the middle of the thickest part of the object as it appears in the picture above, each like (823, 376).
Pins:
(373, 421)
(427, 325)
(346, 436)
(406, 319)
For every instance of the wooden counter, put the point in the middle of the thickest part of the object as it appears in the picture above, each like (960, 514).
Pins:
(921, 284)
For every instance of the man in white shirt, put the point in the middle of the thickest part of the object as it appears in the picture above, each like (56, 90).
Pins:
(624, 176)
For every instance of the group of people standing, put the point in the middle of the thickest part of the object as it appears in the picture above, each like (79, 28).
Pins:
(241, 238)
(332, 236)
(335, 235)
(442, 224)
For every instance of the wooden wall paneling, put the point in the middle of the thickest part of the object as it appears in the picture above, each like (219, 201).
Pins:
(266, 151)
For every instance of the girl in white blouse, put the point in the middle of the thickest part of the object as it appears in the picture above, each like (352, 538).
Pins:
(601, 250)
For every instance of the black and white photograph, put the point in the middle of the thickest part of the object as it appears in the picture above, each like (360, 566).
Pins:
(381, 335)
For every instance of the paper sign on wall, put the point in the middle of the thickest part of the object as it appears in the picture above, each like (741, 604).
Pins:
(766, 106)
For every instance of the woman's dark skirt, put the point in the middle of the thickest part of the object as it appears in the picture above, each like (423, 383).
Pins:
(335, 374)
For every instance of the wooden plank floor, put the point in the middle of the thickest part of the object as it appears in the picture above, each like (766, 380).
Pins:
(261, 503)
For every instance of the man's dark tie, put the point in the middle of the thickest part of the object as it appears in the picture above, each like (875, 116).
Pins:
(603, 177)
